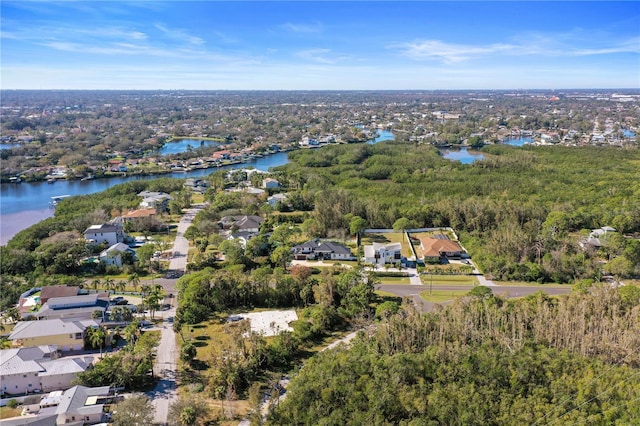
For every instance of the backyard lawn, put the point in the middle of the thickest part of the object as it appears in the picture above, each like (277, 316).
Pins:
(389, 237)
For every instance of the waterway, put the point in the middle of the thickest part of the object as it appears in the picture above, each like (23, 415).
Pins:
(462, 155)
(25, 204)
(383, 135)
(520, 141)
(184, 145)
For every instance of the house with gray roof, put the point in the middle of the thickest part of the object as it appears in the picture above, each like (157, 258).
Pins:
(38, 369)
(106, 232)
(74, 307)
(68, 335)
(77, 406)
(322, 250)
(114, 254)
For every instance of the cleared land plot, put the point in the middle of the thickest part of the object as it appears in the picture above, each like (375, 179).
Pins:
(389, 237)
(268, 323)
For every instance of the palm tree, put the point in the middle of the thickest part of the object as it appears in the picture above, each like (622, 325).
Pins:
(109, 284)
(134, 281)
(96, 337)
(120, 286)
(95, 283)
(153, 299)
(131, 333)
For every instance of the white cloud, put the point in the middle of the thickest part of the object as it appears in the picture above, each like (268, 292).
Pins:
(180, 35)
(315, 27)
(322, 56)
(450, 53)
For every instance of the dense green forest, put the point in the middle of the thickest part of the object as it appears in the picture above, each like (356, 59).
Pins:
(483, 361)
(520, 212)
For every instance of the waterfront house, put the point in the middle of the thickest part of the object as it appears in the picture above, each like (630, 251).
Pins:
(270, 183)
(155, 200)
(106, 232)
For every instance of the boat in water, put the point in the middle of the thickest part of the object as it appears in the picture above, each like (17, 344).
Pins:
(57, 198)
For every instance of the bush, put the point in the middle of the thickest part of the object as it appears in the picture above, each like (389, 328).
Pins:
(12, 403)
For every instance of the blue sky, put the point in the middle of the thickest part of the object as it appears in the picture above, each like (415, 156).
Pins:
(332, 45)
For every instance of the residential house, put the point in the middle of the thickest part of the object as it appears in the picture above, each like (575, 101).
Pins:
(436, 248)
(52, 291)
(322, 250)
(114, 254)
(197, 185)
(593, 240)
(249, 224)
(38, 369)
(68, 335)
(379, 253)
(107, 232)
(77, 406)
(138, 214)
(32, 299)
(74, 307)
(155, 200)
(276, 198)
(270, 183)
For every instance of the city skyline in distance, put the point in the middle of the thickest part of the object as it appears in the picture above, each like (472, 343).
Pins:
(241, 45)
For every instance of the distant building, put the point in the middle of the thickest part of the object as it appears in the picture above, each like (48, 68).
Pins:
(155, 200)
(270, 183)
(276, 198)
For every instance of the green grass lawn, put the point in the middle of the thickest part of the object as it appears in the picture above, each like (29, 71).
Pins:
(465, 280)
(395, 280)
(438, 296)
(390, 237)
(385, 294)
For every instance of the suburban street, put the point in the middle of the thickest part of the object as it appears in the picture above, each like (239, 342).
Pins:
(166, 367)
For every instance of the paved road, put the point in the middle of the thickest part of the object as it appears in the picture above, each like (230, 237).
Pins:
(413, 292)
(166, 367)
